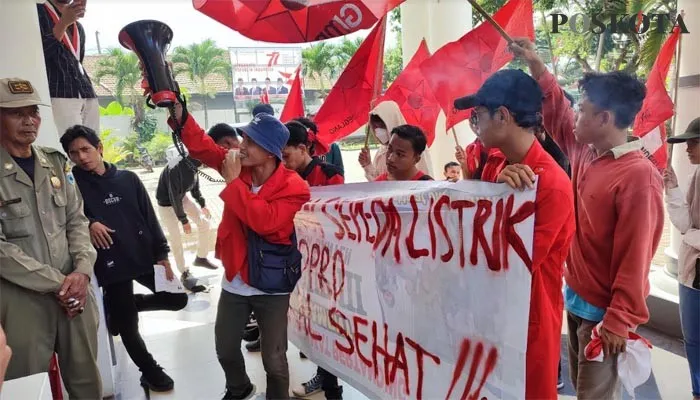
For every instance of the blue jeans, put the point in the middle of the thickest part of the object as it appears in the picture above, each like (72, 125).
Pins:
(690, 324)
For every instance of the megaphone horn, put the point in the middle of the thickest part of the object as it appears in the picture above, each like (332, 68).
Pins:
(150, 40)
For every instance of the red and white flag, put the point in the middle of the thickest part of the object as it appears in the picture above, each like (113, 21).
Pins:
(294, 106)
(657, 108)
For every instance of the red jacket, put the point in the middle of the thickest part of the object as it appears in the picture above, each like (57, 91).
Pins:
(270, 212)
(484, 164)
(319, 173)
(619, 218)
(554, 230)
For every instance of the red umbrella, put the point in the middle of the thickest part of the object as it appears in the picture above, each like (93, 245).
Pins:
(295, 21)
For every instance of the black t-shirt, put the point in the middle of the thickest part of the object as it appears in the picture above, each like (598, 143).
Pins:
(27, 164)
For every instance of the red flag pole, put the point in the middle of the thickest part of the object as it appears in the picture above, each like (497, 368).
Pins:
(488, 18)
(378, 77)
(675, 93)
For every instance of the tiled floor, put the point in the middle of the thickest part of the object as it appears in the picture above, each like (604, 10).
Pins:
(183, 342)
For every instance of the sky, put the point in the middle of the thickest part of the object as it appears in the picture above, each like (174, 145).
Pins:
(188, 25)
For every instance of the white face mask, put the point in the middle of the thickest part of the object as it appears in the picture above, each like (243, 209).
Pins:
(382, 135)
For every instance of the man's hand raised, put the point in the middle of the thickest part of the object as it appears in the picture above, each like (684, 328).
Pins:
(524, 49)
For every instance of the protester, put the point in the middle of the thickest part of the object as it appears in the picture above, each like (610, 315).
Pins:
(404, 154)
(263, 108)
(45, 252)
(334, 156)
(684, 212)
(225, 136)
(619, 216)
(129, 241)
(261, 199)
(297, 157)
(175, 208)
(383, 119)
(508, 113)
(452, 172)
(73, 99)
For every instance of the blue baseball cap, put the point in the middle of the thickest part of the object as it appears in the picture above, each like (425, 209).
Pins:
(267, 132)
(263, 108)
(510, 88)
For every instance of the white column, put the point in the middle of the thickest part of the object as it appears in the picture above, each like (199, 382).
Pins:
(439, 22)
(23, 57)
(686, 111)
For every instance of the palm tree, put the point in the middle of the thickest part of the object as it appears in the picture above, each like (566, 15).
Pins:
(318, 61)
(346, 50)
(124, 68)
(199, 61)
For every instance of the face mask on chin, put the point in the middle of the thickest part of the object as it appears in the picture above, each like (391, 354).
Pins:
(382, 135)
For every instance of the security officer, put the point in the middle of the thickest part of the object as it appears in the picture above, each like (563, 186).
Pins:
(46, 258)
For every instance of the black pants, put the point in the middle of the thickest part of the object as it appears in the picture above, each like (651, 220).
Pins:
(329, 384)
(123, 308)
(231, 318)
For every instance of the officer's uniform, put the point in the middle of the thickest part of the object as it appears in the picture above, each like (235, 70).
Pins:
(44, 236)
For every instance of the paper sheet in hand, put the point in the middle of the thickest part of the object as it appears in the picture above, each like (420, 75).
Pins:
(163, 284)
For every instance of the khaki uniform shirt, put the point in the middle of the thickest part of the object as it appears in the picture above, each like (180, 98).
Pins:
(44, 233)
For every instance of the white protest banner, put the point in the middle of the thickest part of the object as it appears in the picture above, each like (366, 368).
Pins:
(417, 289)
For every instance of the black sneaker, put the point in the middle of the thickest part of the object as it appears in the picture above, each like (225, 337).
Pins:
(253, 347)
(156, 380)
(251, 334)
(248, 393)
(191, 283)
(203, 262)
(560, 383)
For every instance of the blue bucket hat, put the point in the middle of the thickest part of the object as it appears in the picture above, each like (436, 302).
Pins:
(267, 132)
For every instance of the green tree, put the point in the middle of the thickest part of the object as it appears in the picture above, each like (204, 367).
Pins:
(199, 61)
(345, 50)
(319, 62)
(112, 151)
(393, 57)
(124, 68)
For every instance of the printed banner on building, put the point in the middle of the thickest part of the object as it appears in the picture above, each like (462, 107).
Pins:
(263, 69)
(417, 289)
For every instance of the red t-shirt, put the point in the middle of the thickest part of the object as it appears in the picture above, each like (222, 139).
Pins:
(420, 176)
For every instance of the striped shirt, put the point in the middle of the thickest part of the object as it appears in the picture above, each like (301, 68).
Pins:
(65, 76)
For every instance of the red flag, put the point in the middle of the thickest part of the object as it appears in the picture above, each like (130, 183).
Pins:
(657, 106)
(296, 21)
(347, 107)
(459, 68)
(294, 106)
(413, 95)
(264, 97)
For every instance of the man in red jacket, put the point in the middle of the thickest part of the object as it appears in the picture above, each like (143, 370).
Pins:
(619, 216)
(262, 196)
(507, 108)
